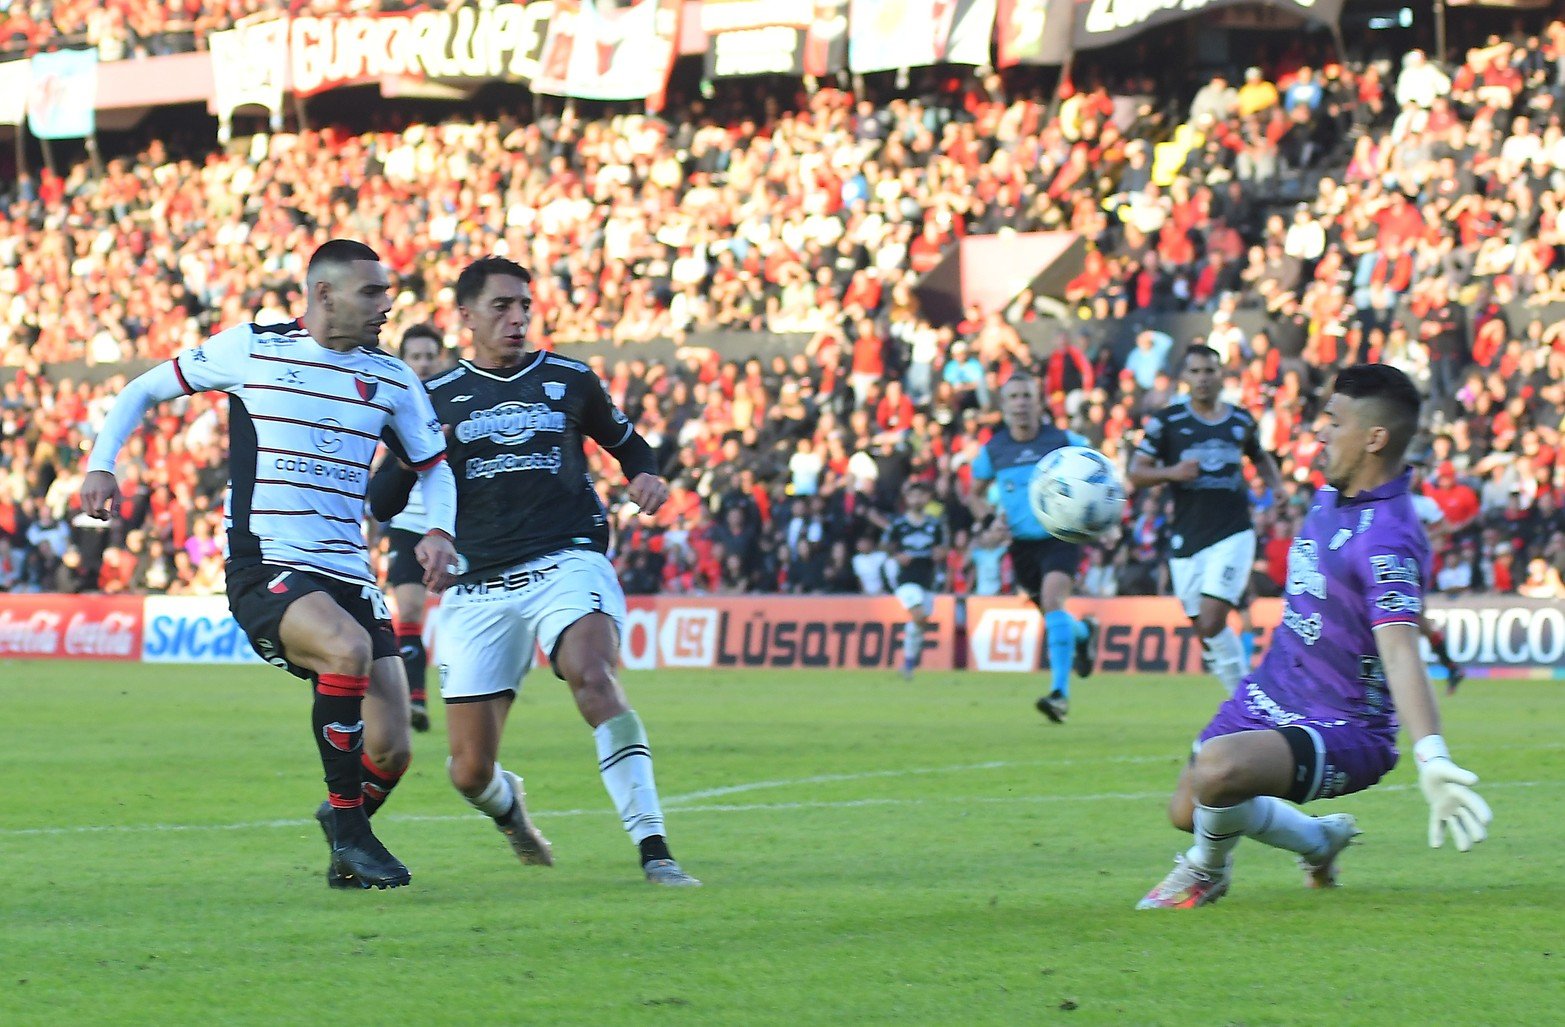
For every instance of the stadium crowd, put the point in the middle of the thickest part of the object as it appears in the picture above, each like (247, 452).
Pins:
(1427, 234)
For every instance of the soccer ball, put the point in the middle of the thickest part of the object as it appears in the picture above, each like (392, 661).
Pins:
(1076, 494)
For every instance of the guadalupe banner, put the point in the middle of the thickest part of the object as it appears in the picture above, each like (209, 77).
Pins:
(775, 37)
(884, 35)
(501, 41)
(1105, 22)
(596, 50)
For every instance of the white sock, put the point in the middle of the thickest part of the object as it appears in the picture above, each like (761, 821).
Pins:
(497, 798)
(1217, 830)
(1284, 826)
(913, 643)
(1227, 658)
(625, 762)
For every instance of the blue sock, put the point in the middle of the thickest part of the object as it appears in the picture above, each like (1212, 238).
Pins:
(1247, 643)
(1060, 630)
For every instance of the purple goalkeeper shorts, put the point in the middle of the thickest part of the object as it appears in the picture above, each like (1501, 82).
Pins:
(1331, 757)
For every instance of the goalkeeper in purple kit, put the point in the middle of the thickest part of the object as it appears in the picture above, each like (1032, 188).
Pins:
(1319, 717)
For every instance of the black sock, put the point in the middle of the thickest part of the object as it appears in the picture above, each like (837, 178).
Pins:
(410, 643)
(337, 718)
(654, 846)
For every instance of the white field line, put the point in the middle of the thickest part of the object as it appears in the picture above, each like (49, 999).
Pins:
(680, 803)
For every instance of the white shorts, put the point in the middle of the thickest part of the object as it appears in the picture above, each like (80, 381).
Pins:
(914, 597)
(489, 630)
(1221, 570)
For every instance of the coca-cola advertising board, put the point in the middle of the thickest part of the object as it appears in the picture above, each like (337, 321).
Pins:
(63, 627)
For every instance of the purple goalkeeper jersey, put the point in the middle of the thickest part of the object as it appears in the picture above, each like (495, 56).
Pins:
(1356, 564)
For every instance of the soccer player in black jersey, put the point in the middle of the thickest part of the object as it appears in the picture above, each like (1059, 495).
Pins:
(531, 570)
(1198, 449)
(916, 543)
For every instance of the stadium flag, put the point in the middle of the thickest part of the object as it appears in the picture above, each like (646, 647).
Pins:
(1106, 22)
(1033, 32)
(248, 67)
(16, 79)
(63, 98)
(885, 35)
(775, 37)
(597, 52)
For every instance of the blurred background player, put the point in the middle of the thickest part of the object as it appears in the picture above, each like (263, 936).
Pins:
(1432, 517)
(424, 351)
(532, 534)
(1044, 567)
(916, 543)
(1319, 717)
(308, 401)
(1198, 450)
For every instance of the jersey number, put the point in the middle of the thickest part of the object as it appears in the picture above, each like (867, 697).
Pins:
(377, 601)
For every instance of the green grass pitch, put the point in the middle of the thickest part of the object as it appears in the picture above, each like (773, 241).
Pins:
(874, 853)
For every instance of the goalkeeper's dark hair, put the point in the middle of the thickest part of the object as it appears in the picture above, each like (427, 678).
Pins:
(476, 275)
(1395, 402)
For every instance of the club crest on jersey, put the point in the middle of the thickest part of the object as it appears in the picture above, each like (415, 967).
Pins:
(367, 385)
(554, 390)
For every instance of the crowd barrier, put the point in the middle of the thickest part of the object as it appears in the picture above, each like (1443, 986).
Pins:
(1493, 636)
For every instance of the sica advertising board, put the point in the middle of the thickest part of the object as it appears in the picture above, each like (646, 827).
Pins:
(193, 629)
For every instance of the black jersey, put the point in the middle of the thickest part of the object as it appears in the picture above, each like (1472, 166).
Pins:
(1216, 504)
(919, 541)
(515, 446)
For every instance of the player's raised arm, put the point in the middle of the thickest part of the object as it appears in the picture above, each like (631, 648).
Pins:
(213, 365)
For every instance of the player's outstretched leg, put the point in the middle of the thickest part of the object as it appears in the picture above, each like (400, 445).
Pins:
(504, 801)
(625, 764)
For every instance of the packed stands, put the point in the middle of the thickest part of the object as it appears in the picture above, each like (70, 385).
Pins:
(1299, 217)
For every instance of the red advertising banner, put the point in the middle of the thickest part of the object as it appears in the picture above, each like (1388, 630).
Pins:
(70, 627)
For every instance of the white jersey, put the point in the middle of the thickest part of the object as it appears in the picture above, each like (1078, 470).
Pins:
(414, 517)
(304, 422)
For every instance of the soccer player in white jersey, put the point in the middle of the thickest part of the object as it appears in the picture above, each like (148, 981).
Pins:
(531, 535)
(1198, 450)
(308, 403)
(424, 351)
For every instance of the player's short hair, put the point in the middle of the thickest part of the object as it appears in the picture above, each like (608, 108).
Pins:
(1396, 402)
(473, 277)
(1023, 375)
(335, 254)
(422, 330)
(1200, 351)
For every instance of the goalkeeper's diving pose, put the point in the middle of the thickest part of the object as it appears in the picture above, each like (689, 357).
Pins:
(1319, 717)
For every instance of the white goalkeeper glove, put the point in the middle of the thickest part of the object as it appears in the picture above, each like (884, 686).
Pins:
(1453, 805)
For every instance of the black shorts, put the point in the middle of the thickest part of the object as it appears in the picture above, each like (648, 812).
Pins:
(259, 596)
(403, 568)
(1033, 559)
